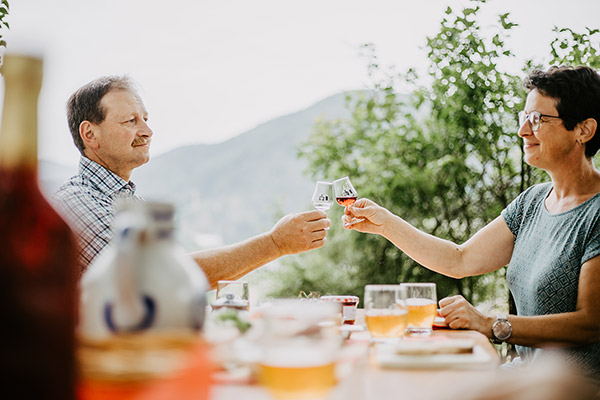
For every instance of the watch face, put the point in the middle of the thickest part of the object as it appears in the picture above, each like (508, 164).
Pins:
(502, 330)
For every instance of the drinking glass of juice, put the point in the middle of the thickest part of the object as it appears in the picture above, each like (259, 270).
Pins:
(385, 310)
(421, 301)
(232, 294)
(299, 349)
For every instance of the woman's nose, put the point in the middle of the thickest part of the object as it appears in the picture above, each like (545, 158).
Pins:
(525, 129)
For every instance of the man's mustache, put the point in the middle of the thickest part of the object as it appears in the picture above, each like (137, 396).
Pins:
(141, 141)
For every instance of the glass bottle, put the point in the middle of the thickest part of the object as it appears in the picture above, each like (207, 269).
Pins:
(38, 264)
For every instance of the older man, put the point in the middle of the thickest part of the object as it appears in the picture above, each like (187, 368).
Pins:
(109, 125)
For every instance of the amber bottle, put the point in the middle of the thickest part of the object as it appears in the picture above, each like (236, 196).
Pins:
(38, 267)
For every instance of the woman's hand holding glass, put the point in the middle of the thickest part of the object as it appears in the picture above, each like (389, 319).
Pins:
(373, 216)
(346, 195)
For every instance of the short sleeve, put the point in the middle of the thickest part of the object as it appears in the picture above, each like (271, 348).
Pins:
(511, 215)
(515, 213)
(592, 248)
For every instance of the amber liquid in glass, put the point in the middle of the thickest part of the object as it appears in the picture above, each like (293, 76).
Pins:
(346, 201)
(386, 323)
(421, 312)
(298, 382)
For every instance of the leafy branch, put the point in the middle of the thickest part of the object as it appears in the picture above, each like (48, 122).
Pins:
(4, 7)
(572, 48)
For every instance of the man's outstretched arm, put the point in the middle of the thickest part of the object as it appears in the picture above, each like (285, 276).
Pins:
(294, 233)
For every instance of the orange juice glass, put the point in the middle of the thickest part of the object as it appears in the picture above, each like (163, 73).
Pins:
(385, 311)
(299, 349)
(421, 302)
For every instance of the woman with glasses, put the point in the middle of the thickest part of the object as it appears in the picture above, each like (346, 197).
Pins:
(549, 236)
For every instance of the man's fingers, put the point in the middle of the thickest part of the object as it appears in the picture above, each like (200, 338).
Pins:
(313, 215)
(318, 243)
(319, 225)
(317, 235)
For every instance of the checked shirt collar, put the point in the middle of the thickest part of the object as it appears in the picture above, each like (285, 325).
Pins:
(102, 179)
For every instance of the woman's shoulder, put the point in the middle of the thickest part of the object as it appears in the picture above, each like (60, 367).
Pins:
(527, 202)
(535, 193)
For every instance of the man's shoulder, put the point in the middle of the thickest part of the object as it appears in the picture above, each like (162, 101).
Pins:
(77, 185)
(79, 195)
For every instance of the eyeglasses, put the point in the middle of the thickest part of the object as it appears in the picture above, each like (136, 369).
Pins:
(534, 118)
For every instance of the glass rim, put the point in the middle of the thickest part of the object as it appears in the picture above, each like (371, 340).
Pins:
(293, 306)
(417, 284)
(383, 286)
(341, 179)
(230, 281)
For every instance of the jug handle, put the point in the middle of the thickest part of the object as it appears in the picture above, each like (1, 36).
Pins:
(145, 323)
(130, 310)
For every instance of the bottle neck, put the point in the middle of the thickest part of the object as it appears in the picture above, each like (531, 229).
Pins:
(163, 234)
(160, 221)
(18, 133)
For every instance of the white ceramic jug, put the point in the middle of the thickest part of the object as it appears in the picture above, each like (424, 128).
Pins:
(142, 280)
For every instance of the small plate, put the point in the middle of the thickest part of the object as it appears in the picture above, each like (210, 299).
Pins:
(387, 357)
(352, 328)
(348, 329)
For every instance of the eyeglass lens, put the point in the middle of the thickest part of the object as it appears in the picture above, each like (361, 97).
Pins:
(533, 118)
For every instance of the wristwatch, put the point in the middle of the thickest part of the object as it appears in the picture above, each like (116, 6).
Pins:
(501, 330)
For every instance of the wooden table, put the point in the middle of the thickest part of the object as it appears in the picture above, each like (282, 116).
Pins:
(365, 380)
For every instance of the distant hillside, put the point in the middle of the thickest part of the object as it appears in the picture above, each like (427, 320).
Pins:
(52, 175)
(235, 189)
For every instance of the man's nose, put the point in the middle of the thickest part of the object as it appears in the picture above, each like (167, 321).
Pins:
(145, 130)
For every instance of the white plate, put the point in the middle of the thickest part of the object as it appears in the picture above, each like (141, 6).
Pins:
(347, 330)
(387, 357)
(352, 328)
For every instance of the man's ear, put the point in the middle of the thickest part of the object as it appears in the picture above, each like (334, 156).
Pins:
(588, 129)
(87, 133)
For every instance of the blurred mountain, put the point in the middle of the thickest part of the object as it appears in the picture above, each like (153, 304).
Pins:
(237, 188)
(52, 175)
(229, 191)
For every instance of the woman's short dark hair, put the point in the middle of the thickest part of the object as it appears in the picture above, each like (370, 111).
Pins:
(577, 94)
(84, 104)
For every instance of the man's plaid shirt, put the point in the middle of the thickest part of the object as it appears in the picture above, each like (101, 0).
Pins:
(87, 202)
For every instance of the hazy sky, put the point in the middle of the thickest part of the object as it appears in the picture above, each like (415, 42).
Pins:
(210, 70)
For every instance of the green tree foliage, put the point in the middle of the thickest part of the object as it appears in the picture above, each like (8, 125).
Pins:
(446, 158)
(572, 48)
(3, 23)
